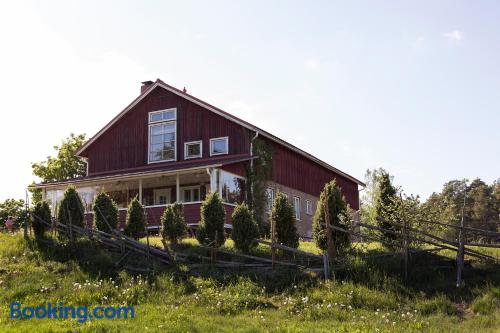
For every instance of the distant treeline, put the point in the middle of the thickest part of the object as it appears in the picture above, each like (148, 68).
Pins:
(479, 201)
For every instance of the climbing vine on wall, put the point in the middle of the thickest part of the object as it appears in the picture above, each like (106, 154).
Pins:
(257, 178)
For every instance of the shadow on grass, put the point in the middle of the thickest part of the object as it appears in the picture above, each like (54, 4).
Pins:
(429, 273)
(102, 263)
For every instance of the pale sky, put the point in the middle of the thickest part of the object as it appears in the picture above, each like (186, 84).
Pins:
(413, 87)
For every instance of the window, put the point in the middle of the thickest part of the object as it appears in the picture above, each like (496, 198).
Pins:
(162, 196)
(286, 196)
(219, 146)
(163, 115)
(192, 149)
(190, 194)
(162, 135)
(270, 198)
(309, 207)
(296, 207)
(231, 187)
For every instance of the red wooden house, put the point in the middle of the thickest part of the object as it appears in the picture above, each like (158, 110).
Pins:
(169, 146)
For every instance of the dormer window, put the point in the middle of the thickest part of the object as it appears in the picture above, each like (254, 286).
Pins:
(162, 135)
(219, 146)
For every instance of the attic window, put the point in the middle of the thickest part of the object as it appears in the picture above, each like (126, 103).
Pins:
(162, 136)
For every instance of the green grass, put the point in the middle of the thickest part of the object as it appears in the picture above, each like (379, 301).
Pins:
(367, 296)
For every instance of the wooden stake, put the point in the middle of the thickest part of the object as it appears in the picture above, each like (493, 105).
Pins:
(326, 266)
(461, 241)
(329, 239)
(70, 224)
(405, 244)
(273, 243)
(26, 216)
(405, 250)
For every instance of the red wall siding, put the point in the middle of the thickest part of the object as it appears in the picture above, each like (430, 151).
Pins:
(295, 171)
(125, 144)
(191, 215)
(239, 169)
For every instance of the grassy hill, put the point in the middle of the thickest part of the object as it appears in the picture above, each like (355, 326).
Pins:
(367, 295)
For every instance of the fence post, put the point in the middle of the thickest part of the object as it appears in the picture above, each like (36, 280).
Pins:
(460, 255)
(329, 239)
(405, 249)
(70, 224)
(273, 241)
(326, 266)
(460, 252)
(147, 232)
(215, 246)
(26, 217)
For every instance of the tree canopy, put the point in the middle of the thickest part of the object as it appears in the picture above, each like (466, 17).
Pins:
(481, 209)
(15, 209)
(66, 165)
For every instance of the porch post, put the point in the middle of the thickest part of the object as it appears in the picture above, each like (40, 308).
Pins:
(177, 188)
(140, 191)
(213, 181)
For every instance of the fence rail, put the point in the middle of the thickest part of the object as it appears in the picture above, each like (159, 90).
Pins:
(406, 237)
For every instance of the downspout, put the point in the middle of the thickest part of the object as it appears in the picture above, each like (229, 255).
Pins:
(251, 148)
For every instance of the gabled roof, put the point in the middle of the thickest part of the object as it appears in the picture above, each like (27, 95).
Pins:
(161, 84)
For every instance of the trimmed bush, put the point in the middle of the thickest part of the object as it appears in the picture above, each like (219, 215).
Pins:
(70, 210)
(173, 223)
(40, 216)
(339, 216)
(135, 226)
(211, 228)
(105, 213)
(283, 217)
(385, 196)
(245, 228)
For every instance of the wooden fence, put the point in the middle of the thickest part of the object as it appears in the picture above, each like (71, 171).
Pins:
(407, 237)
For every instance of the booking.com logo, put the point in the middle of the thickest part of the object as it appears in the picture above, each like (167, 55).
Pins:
(61, 311)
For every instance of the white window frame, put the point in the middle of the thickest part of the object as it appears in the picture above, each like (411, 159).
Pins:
(296, 207)
(194, 187)
(309, 207)
(155, 123)
(220, 138)
(271, 191)
(161, 111)
(200, 142)
(157, 192)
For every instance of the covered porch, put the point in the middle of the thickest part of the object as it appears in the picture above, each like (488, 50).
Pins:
(156, 190)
